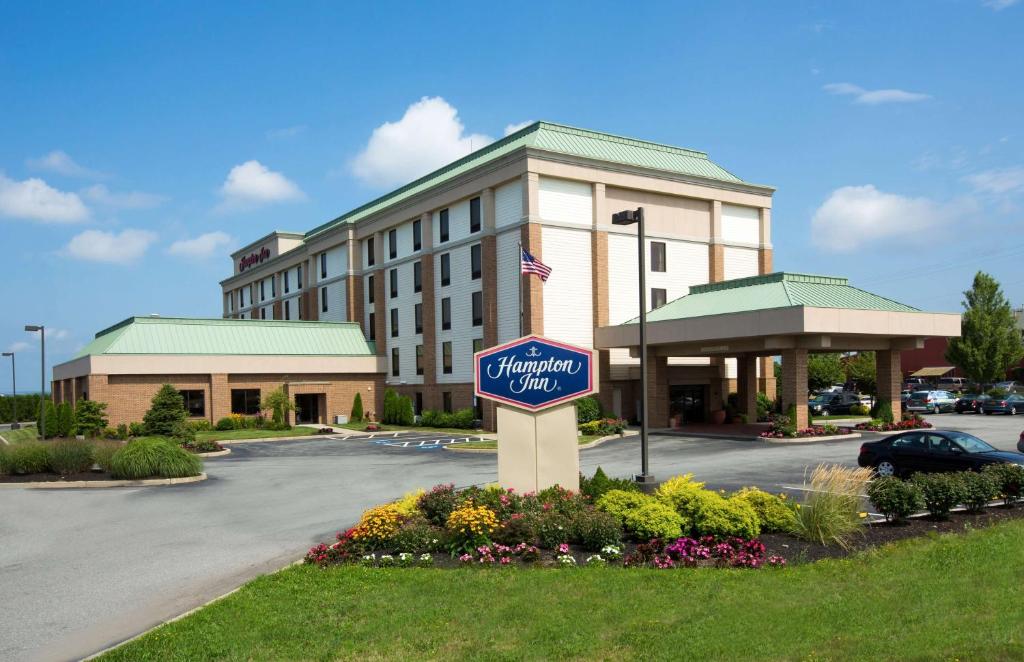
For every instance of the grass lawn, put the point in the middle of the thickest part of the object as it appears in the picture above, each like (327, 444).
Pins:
(945, 597)
(583, 439)
(361, 427)
(20, 435)
(230, 435)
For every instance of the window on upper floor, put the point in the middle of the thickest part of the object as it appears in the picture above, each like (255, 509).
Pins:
(298, 277)
(474, 260)
(443, 225)
(394, 322)
(417, 277)
(478, 309)
(392, 244)
(419, 360)
(474, 215)
(370, 290)
(287, 310)
(417, 235)
(446, 357)
(446, 269)
(658, 256)
(371, 331)
(658, 297)
(273, 287)
(394, 283)
(394, 362)
(446, 314)
(287, 282)
(263, 290)
(370, 257)
(418, 313)
(323, 299)
(323, 265)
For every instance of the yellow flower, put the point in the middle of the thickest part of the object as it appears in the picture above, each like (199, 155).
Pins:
(862, 515)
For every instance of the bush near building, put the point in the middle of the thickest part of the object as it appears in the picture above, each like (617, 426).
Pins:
(166, 411)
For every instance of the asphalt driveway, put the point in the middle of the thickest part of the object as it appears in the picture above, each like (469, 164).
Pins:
(83, 569)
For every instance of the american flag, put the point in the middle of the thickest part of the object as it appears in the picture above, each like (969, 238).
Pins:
(530, 265)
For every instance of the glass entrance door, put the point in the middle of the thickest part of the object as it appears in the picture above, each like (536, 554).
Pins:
(687, 401)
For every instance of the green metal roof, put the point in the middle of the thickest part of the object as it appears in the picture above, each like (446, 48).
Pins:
(560, 139)
(178, 335)
(775, 290)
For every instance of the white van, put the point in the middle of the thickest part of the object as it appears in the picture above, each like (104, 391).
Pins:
(952, 383)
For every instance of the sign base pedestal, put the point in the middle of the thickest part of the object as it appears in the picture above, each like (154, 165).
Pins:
(538, 450)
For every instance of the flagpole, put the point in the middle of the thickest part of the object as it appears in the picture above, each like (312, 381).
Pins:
(519, 279)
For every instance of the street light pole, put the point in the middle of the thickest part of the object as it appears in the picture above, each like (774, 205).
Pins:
(42, 376)
(630, 217)
(14, 397)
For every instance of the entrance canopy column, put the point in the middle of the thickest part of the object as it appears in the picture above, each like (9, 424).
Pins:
(889, 377)
(746, 385)
(794, 385)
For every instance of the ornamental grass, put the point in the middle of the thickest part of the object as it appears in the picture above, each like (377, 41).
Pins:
(831, 512)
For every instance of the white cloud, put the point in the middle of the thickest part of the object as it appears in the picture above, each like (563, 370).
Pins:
(999, 181)
(101, 195)
(998, 5)
(874, 97)
(36, 200)
(856, 215)
(61, 163)
(19, 346)
(252, 183)
(202, 246)
(286, 132)
(512, 128)
(428, 136)
(120, 248)
(53, 333)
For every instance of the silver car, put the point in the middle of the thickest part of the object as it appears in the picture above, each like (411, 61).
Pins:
(934, 402)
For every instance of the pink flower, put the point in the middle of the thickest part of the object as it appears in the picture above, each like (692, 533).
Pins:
(505, 560)
(563, 548)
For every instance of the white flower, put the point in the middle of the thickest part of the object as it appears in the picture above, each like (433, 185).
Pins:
(566, 559)
(595, 560)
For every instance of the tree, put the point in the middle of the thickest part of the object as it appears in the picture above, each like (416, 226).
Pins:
(50, 418)
(388, 412)
(823, 370)
(278, 404)
(90, 417)
(166, 410)
(860, 369)
(65, 420)
(357, 408)
(989, 341)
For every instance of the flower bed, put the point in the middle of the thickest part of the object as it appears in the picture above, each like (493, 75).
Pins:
(878, 425)
(603, 426)
(813, 431)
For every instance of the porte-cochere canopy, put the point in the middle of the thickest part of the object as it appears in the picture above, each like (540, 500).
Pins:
(785, 314)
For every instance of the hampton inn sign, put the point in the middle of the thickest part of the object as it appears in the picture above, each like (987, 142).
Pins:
(254, 258)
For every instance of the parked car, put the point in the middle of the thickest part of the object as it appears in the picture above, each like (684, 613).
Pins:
(1009, 387)
(931, 401)
(915, 384)
(1020, 442)
(931, 451)
(904, 396)
(1011, 404)
(970, 403)
(953, 383)
(827, 404)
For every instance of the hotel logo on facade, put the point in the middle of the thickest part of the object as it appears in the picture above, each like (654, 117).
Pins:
(254, 258)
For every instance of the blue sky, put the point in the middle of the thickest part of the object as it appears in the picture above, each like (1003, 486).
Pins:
(141, 142)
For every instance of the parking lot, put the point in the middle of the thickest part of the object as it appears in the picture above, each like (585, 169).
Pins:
(411, 440)
(88, 568)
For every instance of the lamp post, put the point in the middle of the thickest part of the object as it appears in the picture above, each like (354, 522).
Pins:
(629, 217)
(14, 397)
(42, 376)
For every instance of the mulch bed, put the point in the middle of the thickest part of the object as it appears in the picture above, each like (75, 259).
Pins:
(55, 478)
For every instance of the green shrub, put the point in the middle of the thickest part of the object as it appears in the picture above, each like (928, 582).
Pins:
(108, 433)
(166, 409)
(90, 417)
(69, 456)
(404, 414)
(227, 423)
(765, 405)
(553, 529)
(387, 414)
(830, 511)
(619, 502)
(722, 518)
(653, 519)
(596, 486)
(136, 429)
(463, 419)
(437, 504)
(183, 433)
(357, 409)
(200, 425)
(997, 393)
(859, 410)
(5, 461)
(103, 452)
(65, 420)
(278, 404)
(595, 529)
(417, 536)
(150, 458)
(884, 411)
(978, 489)
(1009, 479)
(683, 494)
(122, 432)
(939, 492)
(203, 446)
(29, 458)
(588, 408)
(50, 419)
(518, 528)
(895, 498)
(774, 514)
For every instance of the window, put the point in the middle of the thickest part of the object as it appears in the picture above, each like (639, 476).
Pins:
(394, 283)
(287, 310)
(443, 225)
(370, 290)
(323, 299)
(263, 313)
(418, 403)
(263, 292)
(369, 252)
(478, 309)
(241, 298)
(298, 277)
(286, 283)
(273, 287)
(658, 297)
(658, 256)
(417, 235)
(418, 311)
(394, 362)
(474, 215)
(392, 244)
(446, 357)
(446, 269)
(446, 400)
(298, 308)
(394, 322)
(419, 359)
(371, 332)
(252, 293)
(446, 314)
(195, 402)
(245, 401)
(417, 277)
(474, 260)
(323, 265)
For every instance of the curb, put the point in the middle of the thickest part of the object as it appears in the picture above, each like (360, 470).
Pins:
(295, 437)
(78, 484)
(226, 451)
(809, 440)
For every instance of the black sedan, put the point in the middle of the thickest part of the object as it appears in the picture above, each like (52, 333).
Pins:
(931, 451)
(970, 403)
(1012, 404)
